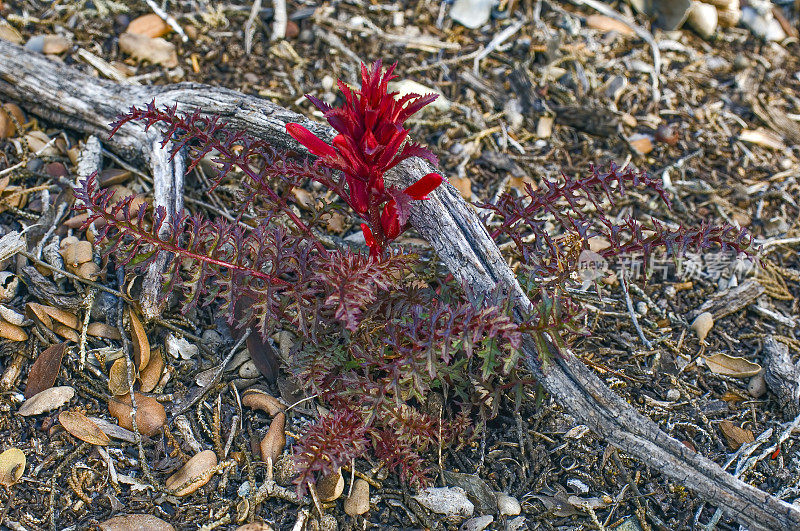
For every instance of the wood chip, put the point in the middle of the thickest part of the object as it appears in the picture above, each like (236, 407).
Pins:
(734, 435)
(80, 426)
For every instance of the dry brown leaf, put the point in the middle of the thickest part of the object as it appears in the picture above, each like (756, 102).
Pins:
(118, 384)
(115, 431)
(43, 372)
(7, 127)
(36, 312)
(463, 185)
(604, 23)
(141, 345)
(143, 48)
(88, 270)
(37, 140)
(255, 526)
(734, 366)
(150, 414)
(107, 331)
(135, 522)
(734, 435)
(258, 399)
(112, 176)
(80, 426)
(64, 317)
(702, 325)
(12, 332)
(303, 198)
(8, 33)
(151, 374)
(274, 441)
(66, 332)
(196, 472)
(641, 144)
(47, 400)
(12, 466)
(336, 223)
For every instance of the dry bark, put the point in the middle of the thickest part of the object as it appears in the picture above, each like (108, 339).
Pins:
(67, 97)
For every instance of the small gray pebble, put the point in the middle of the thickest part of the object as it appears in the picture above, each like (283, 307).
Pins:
(479, 523)
(35, 44)
(757, 386)
(517, 524)
(212, 340)
(248, 370)
(673, 395)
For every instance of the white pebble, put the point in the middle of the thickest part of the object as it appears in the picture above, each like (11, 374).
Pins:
(508, 505)
(450, 501)
(673, 395)
(479, 523)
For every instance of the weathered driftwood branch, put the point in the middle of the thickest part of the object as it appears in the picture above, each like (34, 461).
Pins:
(67, 97)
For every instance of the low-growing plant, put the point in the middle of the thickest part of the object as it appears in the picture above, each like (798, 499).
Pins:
(379, 333)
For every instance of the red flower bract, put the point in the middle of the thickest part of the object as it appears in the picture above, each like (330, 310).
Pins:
(371, 141)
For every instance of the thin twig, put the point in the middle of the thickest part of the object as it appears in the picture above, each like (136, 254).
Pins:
(250, 26)
(73, 276)
(631, 312)
(168, 19)
(279, 21)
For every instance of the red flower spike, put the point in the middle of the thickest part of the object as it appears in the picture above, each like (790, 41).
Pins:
(374, 248)
(315, 145)
(368, 237)
(420, 189)
(390, 220)
(371, 141)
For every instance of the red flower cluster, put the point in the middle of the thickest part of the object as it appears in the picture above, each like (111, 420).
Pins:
(371, 135)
